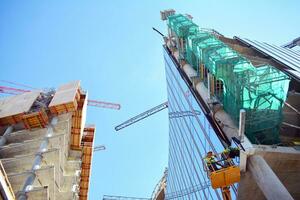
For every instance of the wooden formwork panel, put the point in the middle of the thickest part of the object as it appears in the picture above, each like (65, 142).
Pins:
(83, 197)
(87, 158)
(36, 119)
(81, 100)
(88, 144)
(84, 185)
(89, 138)
(85, 178)
(87, 148)
(75, 131)
(78, 121)
(85, 172)
(64, 108)
(86, 161)
(10, 120)
(85, 175)
(18, 104)
(65, 98)
(75, 145)
(86, 166)
(90, 129)
(84, 193)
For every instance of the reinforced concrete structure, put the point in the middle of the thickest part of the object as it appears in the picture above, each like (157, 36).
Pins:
(230, 88)
(46, 148)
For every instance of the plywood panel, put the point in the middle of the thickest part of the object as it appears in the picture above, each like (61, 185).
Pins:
(86, 161)
(65, 94)
(36, 119)
(17, 104)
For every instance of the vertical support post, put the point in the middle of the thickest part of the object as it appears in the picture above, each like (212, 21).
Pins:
(181, 45)
(37, 160)
(242, 124)
(201, 71)
(212, 85)
(208, 85)
(3, 138)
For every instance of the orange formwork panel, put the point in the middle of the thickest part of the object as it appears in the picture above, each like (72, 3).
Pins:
(87, 154)
(64, 108)
(65, 98)
(37, 119)
(13, 108)
(78, 120)
(10, 120)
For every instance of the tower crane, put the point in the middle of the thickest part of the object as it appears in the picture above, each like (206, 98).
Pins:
(115, 197)
(168, 196)
(141, 116)
(99, 148)
(95, 103)
(152, 111)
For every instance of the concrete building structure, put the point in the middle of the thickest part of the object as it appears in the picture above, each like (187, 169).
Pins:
(46, 147)
(202, 68)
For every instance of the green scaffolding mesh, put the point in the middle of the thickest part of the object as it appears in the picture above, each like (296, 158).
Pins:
(261, 91)
(181, 25)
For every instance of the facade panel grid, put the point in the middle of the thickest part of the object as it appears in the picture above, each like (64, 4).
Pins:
(191, 136)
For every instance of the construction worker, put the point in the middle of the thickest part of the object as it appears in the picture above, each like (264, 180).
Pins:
(211, 162)
(228, 154)
(231, 152)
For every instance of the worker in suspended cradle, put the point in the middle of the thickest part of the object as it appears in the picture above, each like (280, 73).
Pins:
(211, 162)
(230, 153)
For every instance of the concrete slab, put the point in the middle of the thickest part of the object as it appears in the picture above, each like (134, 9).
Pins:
(30, 146)
(65, 94)
(18, 104)
(39, 193)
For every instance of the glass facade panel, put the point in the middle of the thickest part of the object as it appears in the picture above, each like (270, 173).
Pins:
(191, 136)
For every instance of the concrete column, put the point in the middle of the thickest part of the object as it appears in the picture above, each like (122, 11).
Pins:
(37, 160)
(3, 139)
(208, 85)
(242, 124)
(266, 179)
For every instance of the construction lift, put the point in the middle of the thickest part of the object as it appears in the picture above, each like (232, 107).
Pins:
(225, 177)
(229, 174)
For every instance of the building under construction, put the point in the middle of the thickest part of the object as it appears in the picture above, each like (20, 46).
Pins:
(230, 92)
(46, 148)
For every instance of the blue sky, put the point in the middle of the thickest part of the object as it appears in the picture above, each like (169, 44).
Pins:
(110, 47)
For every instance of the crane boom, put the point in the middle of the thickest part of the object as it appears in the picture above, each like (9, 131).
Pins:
(95, 103)
(18, 84)
(141, 116)
(114, 197)
(187, 191)
(99, 148)
(173, 195)
(11, 90)
(103, 104)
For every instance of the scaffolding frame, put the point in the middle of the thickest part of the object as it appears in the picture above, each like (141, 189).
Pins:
(260, 90)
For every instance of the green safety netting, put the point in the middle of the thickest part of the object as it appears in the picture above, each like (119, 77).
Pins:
(181, 25)
(261, 91)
